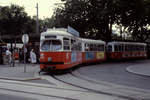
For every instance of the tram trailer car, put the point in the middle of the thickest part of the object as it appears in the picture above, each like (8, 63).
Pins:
(61, 50)
(126, 50)
(93, 51)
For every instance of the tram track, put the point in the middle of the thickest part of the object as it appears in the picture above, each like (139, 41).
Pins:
(41, 86)
(93, 90)
(89, 80)
(39, 94)
(34, 86)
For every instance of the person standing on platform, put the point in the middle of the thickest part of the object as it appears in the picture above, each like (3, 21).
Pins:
(9, 56)
(32, 56)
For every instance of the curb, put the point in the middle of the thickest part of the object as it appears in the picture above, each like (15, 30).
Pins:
(20, 79)
(132, 69)
(35, 76)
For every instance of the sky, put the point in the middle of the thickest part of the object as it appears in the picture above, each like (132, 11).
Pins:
(46, 7)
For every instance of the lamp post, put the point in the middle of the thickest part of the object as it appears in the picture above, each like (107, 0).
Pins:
(37, 19)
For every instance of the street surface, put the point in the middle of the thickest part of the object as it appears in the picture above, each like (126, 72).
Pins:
(104, 81)
(115, 72)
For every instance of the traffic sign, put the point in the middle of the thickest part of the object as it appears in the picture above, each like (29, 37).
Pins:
(25, 38)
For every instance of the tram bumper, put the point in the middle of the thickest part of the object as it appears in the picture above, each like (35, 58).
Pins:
(48, 68)
(51, 67)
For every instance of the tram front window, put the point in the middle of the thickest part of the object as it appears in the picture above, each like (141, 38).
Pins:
(51, 45)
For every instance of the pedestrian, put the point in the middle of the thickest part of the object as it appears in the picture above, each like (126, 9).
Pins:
(8, 56)
(21, 55)
(32, 56)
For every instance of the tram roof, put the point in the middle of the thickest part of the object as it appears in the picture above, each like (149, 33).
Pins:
(57, 31)
(127, 43)
(93, 41)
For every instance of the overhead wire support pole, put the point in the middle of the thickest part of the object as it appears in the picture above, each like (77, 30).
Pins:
(37, 19)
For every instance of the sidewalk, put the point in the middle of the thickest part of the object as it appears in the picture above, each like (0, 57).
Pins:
(17, 72)
(140, 69)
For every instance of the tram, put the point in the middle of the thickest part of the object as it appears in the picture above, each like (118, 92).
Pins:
(126, 50)
(62, 49)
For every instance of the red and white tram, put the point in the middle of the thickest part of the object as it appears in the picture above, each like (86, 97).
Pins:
(59, 49)
(126, 50)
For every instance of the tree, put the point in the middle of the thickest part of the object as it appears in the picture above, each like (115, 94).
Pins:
(14, 22)
(95, 18)
(132, 16)
(92, 18)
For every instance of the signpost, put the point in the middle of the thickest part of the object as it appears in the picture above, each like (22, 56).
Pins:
(25, 40)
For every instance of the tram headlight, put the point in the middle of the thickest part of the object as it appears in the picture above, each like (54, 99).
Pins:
(49, 59)
(42, 56)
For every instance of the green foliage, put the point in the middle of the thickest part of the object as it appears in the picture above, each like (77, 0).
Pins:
(95, 18)
(92, 18)
(14, 21)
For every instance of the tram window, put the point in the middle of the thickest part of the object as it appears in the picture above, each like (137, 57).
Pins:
(66, 42)
(86, 47)
(94, 47)
(122, 47)
(51, 45)
(137, 48)
(80, 47)
(66, 47)
(109, 49)
(50, 36)
(116, 48)
(127, 48)
(145, 48)
(97, 47)
(119, 48)
(65, 38)
(45, 45)
(132, 48)
(142, 48)
(91, 47)
(73, 41)
(102, 48)
(74, 47)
